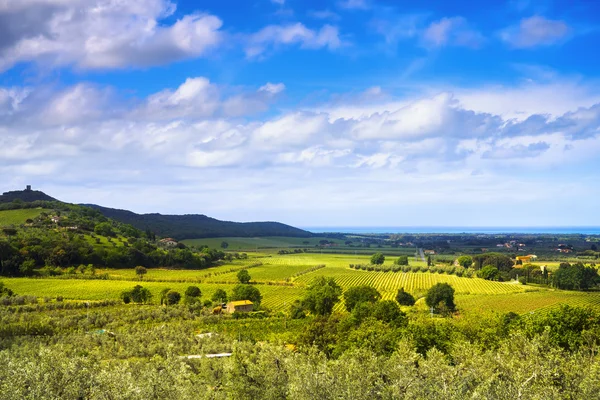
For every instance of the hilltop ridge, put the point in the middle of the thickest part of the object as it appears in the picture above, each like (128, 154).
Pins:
(188, 226)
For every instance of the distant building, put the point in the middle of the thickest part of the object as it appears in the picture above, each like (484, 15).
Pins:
(168, 242)
(240, 306)
(28, 188)
(526, 259)
(429, 252)
(55, 219)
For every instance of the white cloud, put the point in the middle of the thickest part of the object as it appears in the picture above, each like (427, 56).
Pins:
(274, 36)
(181, 144)
(102, 34)
(452, 31)
(535, 31)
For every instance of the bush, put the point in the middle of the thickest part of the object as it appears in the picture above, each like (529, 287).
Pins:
(404, 298)
(173, 297)
(377, 259)
(402, 260)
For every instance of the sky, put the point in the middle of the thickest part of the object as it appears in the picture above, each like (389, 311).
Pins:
(313, 113)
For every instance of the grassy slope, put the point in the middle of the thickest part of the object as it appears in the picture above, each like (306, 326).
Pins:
(18, 217)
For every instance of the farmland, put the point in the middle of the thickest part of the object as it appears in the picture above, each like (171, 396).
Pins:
(281, 279)
(18, 217)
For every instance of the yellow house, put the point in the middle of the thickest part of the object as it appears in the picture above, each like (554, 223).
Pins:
(240, 306)
(526, 259)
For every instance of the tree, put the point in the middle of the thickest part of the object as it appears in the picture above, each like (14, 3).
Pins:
(219, 296)
(321, 295)
(138, 294)
(4, 291)
(429, 261)
(440, 297)
(489, 273)
(140, 271)
(297, 310)
(360, 294)
(104, 229)
(388, 311)
(247, 292)
(377, 259)
(193, 291)
(575, 277)
(402, 260)
(243, 276)
(224, 245)
(500, 261)
(163, 296)
(404, 298)
(465, 261)
(172, 297)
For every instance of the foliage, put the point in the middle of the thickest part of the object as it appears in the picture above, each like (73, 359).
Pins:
(402, 260)
(172, 297)
(359, 294)
(243, 276)
(138, 294)
(246, 292)
(219, 296)
(500, 261)
(441, 298)
(321, 296)
(140, 271)
(4, 291)
(576, 276)
(465, 261)
(377, 259)
(193, 291)
(489, 272)
(404, 298)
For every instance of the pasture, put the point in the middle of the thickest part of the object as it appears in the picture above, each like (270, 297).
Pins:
(18, 217)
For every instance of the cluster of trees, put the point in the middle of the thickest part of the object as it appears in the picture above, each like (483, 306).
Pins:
(575, 276)
(39, 244)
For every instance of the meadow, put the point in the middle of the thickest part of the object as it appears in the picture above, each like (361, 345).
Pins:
(18, 217)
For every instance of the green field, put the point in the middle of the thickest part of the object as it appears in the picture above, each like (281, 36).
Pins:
(18, 217)
(282, 279)
(242, 243)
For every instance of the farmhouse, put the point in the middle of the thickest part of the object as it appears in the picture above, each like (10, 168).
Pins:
(240, 306)
(168, 242)
(526, 259)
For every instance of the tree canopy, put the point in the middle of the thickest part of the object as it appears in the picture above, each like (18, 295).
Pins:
(321, 296)
(246, 292)
(360, 294)
(377, 259)
(243, 276)
(440, 297)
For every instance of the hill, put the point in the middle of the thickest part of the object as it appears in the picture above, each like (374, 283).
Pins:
(191, 226)
(26, 196)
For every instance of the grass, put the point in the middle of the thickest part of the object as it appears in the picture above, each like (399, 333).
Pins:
(473, 294)
(242, 243)
(18, 217)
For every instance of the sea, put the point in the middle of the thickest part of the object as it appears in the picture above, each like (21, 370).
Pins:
(583, 230)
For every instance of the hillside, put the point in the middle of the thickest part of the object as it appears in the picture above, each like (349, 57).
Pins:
(191, 226)
(18, 217)
(26, 196)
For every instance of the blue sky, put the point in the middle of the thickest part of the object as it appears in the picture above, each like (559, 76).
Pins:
(339, 113)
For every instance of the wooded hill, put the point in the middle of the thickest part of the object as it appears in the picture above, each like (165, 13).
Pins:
(189, 226)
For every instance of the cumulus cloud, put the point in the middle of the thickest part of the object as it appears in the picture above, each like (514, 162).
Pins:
(535, 31)
(185, 140)
(101, 34)
(275, 36)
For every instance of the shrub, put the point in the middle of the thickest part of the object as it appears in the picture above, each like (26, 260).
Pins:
(404, 298)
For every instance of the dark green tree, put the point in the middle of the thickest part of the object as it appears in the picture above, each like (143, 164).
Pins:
(465, 261)
(377, 259)
(404, 298)
(489, 272)
(246, 292)
(321, 296)
(360, 294)
(140, 271)
(219, 296)
(402, 260)
(172, 297)
(193, 291)
(440, 297)
(224, 245)
(243, 276)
